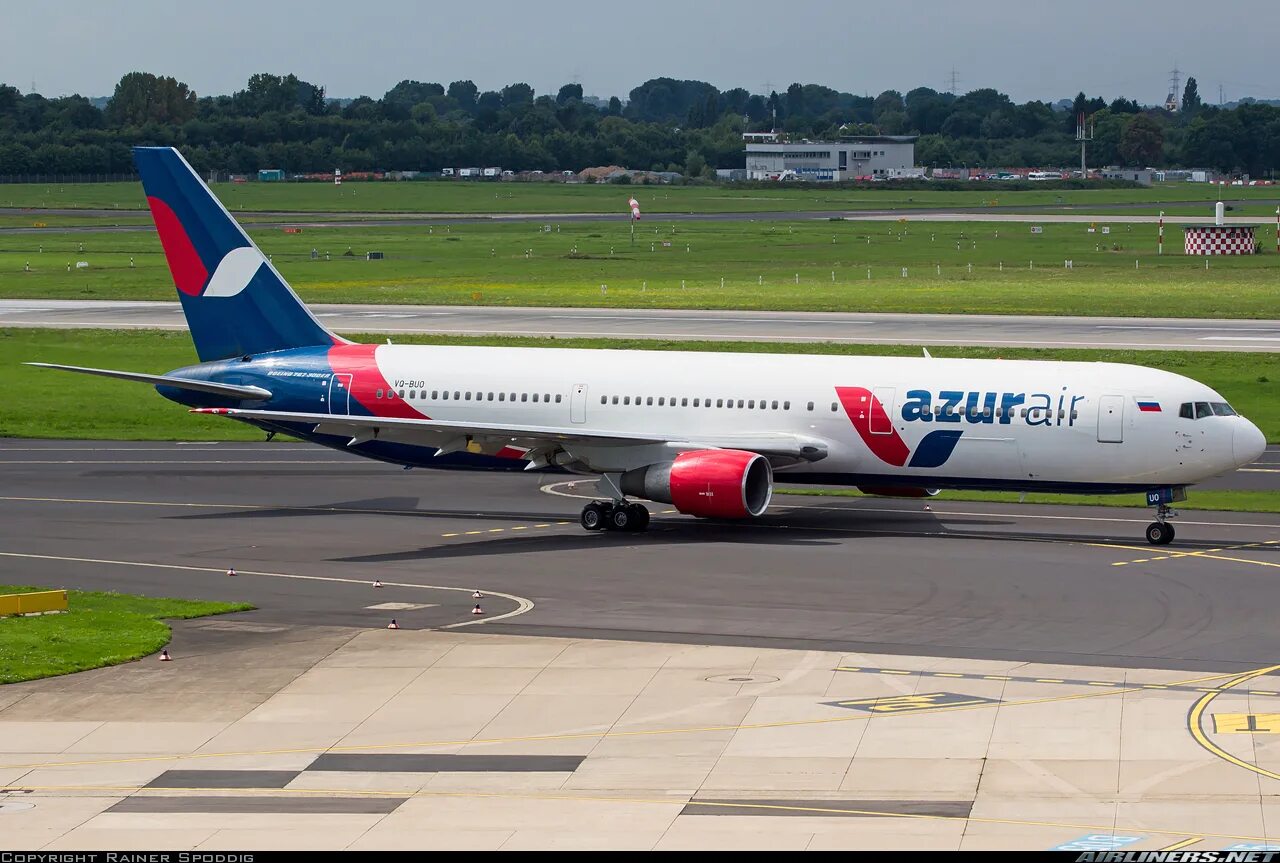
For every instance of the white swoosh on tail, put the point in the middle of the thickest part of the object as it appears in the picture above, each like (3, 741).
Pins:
(236, 269)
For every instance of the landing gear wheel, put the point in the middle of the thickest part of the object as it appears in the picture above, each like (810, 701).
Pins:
(593, 516)
(621, 518)
(639, 517)
(1159, 533)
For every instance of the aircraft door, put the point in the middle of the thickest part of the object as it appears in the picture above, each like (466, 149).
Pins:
(340, 394)
(1111, 419)
(578, 404)
(881, 420)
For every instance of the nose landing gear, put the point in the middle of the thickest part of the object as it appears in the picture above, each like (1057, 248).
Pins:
(615, 515)
(1160, 532)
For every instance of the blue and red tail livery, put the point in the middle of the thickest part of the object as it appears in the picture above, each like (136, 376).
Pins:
(235, 301)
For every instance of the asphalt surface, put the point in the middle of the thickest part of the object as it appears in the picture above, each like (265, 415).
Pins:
(348, 219)
(860, 328)
(309, 530)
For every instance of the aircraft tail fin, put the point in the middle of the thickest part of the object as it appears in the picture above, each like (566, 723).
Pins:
(235, 301)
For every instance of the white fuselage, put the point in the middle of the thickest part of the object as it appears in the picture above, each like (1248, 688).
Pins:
(1008, 423)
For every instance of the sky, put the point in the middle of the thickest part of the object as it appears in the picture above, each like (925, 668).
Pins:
(1030, 49)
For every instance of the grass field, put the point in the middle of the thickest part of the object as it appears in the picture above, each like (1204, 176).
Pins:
(99, 629)
(488, 197)
(809, 265)
(44, 403)
(1219, 500)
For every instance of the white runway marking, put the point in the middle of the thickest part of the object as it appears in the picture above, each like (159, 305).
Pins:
(522, 605)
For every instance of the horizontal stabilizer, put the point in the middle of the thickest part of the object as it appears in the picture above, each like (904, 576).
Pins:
(229, 390)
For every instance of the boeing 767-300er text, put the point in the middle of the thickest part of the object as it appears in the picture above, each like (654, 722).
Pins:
(705, 432)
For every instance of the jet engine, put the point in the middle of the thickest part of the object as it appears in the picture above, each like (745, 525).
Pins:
(711, 483)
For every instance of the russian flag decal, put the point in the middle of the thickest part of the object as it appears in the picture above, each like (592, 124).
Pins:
(1148, 406)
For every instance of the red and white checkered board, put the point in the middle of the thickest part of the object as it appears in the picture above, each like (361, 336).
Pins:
(1224, 241)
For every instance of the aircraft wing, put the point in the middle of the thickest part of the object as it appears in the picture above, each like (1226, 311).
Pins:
(451, 436)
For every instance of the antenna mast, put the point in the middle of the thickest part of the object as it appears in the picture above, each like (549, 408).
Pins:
(1084, 134)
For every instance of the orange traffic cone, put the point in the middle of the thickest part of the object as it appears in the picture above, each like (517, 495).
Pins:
(393, 624)
(477, 609)
(477, 595)
(231, 570)
(164, 655)
(377, 583)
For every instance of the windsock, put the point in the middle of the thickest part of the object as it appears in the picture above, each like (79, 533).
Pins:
(635, 208)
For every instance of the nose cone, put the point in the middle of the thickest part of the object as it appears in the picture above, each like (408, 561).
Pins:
(1247, 443)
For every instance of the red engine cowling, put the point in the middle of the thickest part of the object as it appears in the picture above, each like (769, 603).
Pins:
(895, 491)
(712, 483)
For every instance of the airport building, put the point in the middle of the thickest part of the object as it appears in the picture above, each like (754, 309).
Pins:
(879, 157)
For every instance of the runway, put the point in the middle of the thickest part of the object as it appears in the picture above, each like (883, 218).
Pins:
(1075, 585)
(1042, 213)
(857, 328)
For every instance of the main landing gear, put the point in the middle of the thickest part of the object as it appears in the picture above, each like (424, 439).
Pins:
(1160, 532)
(615, 515)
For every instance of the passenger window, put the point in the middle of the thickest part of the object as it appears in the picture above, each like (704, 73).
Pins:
(468, 395)
(604, 399)
(1203, 410)
(524, 397)
(535, 397)
(739, 402)
(986, 412)
(558, 397)
(435, 394)
(626, 400)
(445, 395)
(834, 406)
(697, 403)
(786, 406)
(684, 403)
(379, 394)
(1075, 415)
(649, 401)
(775, 404)
(810, 405)
(719, 403)
(490, 396)
(615, 400)
(401, 393)
(661, 401)
(513, 396)
(502, 397)
(1186, 412)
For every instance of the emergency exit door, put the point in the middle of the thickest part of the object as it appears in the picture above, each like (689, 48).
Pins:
(578, 404)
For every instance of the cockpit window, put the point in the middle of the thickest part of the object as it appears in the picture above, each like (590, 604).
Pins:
(1187, 411)
(1222, 409)
(1203, 410)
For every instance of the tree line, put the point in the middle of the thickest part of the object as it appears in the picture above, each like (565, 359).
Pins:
(666, 124)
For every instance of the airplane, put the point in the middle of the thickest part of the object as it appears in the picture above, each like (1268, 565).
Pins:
(708, 433)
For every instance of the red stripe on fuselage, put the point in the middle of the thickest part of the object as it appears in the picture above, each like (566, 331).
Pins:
(865, 410)
(360, 362)
(189, 272)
